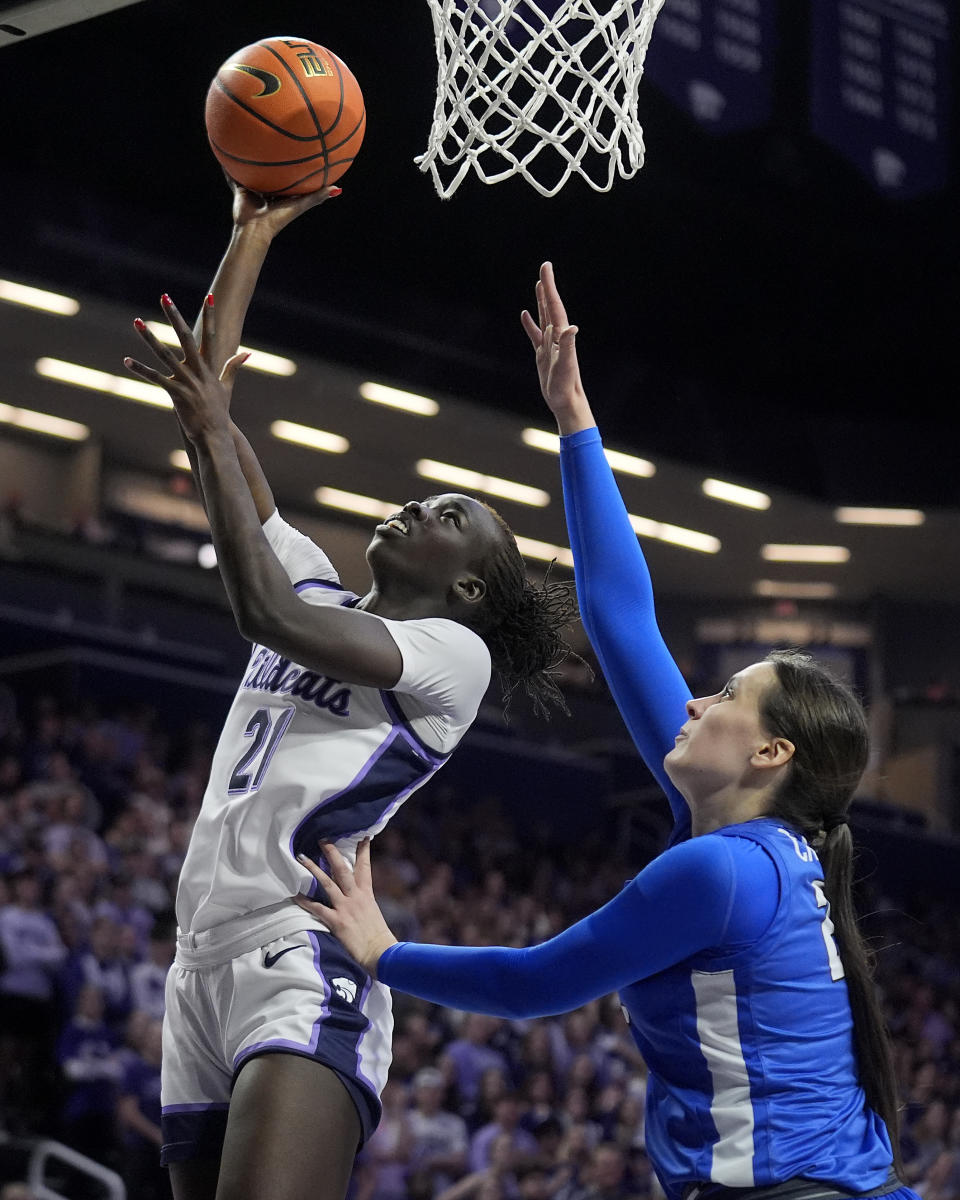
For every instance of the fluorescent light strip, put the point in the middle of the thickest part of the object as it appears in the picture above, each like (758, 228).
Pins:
(306, 435)
(101, 381)
(31, 297)
(626, 464)
(378, 393)
(491, 484)
(676, 535)
(259, 360)
(368, 506)
(879, 516)
(732, 493)
(780, 590)
(180, 460)
(38, 422)
(809, 554)
(544, 551)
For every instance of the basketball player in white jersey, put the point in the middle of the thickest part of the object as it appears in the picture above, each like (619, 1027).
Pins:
(276, 1042)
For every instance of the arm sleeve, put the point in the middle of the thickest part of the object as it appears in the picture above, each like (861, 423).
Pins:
(699, 895)
(302, 559)
(616, 604)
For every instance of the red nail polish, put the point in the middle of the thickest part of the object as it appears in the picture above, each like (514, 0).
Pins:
(209, 299)
(165, 299)
(138, 322)
(336, 191)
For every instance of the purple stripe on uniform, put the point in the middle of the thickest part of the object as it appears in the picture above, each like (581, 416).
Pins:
(317, 583)
(399, 719)
(363, 997)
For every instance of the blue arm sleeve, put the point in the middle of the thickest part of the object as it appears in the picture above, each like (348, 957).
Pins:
(703, 893)
(616, 604)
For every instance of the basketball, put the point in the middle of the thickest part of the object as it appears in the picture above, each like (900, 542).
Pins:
(284, 116)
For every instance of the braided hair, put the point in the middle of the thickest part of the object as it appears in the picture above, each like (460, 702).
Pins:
(826, 723)
(522, 623)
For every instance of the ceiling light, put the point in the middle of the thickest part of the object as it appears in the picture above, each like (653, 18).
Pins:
(879, 516)
(367, 506)
(810, 554)
(732, 493)
(38, 422)
(306, 435)
(395, 398)
(181, 460)
(101, 381)
(531, 548)
(676, 535)
(494, 486)
(31, 297)
(780, 590)
(259, 360)
(626, 464)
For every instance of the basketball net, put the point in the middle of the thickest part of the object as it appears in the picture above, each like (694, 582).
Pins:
(538, 88)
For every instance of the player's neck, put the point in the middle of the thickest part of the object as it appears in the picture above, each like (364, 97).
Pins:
(400, 605)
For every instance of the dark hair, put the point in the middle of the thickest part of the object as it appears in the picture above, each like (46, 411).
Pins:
(521, 624)
(826, 724)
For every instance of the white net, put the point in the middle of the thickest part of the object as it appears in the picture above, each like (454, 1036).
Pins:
(538, 88)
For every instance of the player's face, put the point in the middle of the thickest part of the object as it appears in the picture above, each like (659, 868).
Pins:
(720, 735)
(434, 541)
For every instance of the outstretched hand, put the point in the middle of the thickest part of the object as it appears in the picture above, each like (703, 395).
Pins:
(269, 214)
(351, 911)
(200, 394)
(554, 340)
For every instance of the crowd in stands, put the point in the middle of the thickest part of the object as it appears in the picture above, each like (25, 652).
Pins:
(96, 809)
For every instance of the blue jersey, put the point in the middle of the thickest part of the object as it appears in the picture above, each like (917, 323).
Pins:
(722, 949)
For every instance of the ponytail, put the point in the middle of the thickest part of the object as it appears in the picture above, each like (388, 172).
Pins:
(826, 723)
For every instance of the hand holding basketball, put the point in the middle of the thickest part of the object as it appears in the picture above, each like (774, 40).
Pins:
(269, 214)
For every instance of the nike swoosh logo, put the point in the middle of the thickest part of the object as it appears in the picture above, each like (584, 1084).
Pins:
(270, 960)
(271, 82)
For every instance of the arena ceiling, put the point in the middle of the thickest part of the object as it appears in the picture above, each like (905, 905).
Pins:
(750, 308)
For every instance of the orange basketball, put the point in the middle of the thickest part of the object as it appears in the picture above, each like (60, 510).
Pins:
(284, 116)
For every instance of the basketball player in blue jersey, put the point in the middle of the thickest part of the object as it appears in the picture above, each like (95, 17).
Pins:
(736, 952)
(277, 1042)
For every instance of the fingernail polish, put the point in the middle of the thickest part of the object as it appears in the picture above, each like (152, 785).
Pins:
(165, 299)
(209, 299)
(336, 191)
(138, 322)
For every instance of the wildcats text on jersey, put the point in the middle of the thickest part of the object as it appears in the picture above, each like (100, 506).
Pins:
(271, 672)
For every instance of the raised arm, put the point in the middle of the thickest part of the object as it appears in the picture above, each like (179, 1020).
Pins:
(342, 643)
(256, 222)
(613, 583)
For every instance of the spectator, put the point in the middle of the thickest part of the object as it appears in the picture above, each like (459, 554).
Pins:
(439, 1139)
(471, 1053)
(138, 1120)
(87, 1052)
(31, 952)
(505, 1125)
(148, 978)
(100, 964)
(381, 1172)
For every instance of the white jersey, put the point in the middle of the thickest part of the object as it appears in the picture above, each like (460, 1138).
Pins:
(304, 758)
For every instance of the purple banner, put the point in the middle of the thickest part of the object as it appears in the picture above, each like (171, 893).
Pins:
(881, 91)
(714, 58)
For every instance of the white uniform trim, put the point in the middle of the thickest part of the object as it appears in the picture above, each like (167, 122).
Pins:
(731, 1107)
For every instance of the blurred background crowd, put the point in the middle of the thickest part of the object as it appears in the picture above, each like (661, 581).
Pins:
(96, 808)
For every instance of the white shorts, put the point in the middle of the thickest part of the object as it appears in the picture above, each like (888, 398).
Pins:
(238, 991)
